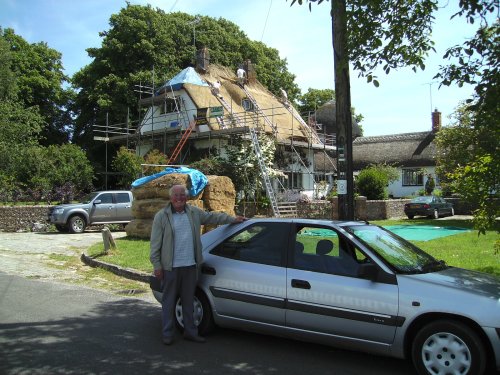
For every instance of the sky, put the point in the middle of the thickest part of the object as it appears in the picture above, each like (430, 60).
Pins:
(402, 104)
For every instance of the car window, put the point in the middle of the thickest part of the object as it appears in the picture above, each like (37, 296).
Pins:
(122, 198)
(106, 198)
(262, 243)
(324, 250)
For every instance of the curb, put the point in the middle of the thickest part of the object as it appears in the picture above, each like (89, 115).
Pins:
(117, 270)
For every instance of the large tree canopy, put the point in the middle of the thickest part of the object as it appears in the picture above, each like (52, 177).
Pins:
(469, 149)
(39, 78)
(141, 39)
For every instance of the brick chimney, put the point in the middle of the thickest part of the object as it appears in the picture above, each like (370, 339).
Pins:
(202, 60)
(436, 121)
(251, 74)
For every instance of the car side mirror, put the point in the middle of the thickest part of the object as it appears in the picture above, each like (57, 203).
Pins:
(97, 201)
(368, 271)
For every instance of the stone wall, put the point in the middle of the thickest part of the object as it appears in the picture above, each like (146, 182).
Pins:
(34, 218)
(23, 218)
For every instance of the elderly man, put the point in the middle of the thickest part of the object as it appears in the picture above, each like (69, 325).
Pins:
(176, 253)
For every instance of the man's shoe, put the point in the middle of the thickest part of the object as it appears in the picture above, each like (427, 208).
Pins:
(168, 340)
(198, 339)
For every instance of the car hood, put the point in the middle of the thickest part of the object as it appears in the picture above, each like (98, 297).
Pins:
(477, 283)
(71, 205)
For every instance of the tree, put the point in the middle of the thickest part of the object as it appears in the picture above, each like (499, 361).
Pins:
(313, 99)
(368, 34)
(141, 39)
(468, 158)
(40, 83)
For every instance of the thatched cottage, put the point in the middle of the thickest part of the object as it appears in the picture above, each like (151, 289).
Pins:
(206, 106)
(413, 154)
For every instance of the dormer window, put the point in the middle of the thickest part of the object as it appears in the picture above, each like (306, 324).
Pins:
(170, 105)
(247, 105)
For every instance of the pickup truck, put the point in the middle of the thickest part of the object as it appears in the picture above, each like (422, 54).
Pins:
(100, 207)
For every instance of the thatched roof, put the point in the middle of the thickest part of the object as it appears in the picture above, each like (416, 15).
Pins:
(408, 150)
(325, 115)
(288, 126)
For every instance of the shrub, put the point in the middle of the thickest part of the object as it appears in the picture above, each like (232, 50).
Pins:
(372, 182)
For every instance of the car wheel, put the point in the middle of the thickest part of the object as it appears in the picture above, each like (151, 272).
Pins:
(61, 228)
(436, 214)
(77, 224)
(203, 318)
(410, 216)
(448, 347)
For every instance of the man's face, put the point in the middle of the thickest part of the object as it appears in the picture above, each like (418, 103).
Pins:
(178, 198)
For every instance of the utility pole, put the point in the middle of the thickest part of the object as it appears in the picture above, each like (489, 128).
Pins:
(343, 117)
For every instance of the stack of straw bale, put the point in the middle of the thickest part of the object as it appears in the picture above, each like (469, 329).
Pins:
(219, 195)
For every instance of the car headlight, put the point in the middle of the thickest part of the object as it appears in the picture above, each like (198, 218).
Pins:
(58, 211)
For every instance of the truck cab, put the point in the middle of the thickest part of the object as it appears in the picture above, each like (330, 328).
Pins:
(100, 207)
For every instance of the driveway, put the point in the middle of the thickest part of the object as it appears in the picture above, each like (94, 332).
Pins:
(35, 254)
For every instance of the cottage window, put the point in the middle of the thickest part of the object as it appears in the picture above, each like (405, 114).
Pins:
(170, 105)
(413, 177)
(293, 180)
(247, 104)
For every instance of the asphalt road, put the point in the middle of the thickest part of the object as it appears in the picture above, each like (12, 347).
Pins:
(54, 328)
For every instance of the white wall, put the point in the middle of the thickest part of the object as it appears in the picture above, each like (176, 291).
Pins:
(169, 120)
(397, 190)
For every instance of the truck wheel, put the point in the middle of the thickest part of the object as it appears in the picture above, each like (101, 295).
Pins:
(77, 224)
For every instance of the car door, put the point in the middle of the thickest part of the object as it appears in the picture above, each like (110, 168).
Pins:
(104, 208)
(246, 273)
(324, 293)
(123, 207)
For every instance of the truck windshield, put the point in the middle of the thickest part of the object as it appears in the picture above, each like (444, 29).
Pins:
(88, 198)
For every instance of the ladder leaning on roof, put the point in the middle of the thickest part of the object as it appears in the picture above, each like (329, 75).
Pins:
(260, 111)
(182, 142)
(265, 175)
(225, 104)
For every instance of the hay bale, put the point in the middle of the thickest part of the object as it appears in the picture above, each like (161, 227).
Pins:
(158, 188)
(140, 228)
(219, 194)
(147, 208)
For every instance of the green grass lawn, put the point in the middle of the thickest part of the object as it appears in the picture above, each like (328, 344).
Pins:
(465, 250)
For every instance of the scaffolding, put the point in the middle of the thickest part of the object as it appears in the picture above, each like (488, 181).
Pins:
(247, 124)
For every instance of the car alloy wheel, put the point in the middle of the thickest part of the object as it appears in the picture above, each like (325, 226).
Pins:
(448, 347)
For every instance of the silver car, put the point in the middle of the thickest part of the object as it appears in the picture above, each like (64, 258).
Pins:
(352, 285)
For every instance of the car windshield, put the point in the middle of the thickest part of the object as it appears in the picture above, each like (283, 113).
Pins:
(422, 200)
(88, 198)
(402, 255)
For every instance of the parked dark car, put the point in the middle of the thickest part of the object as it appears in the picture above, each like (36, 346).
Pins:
(100, 207)
(348, 284)
(428, 205)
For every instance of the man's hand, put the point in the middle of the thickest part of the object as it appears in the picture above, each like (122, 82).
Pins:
(239, 219)
(159, 274)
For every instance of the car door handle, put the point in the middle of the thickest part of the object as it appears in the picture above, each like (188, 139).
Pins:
(302, 284)
(208, 270)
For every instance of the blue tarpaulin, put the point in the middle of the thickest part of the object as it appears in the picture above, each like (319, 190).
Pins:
(198, 179)
(187, 75)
